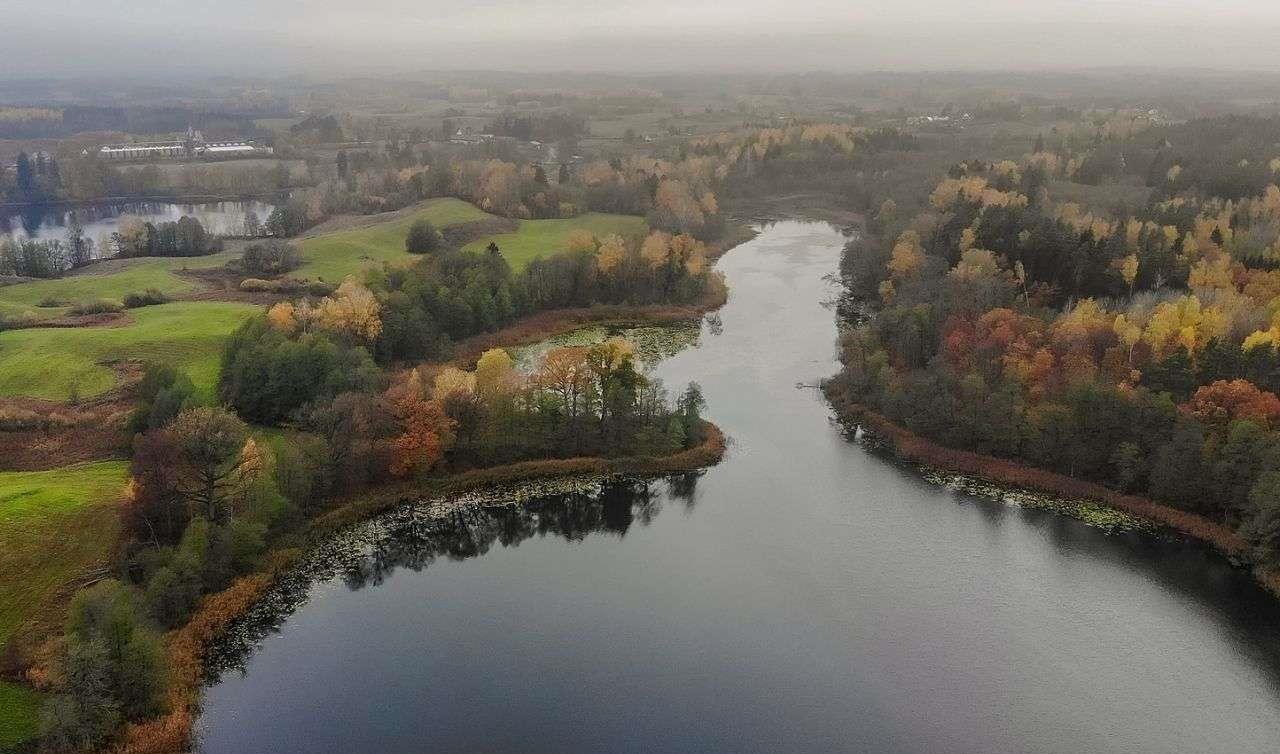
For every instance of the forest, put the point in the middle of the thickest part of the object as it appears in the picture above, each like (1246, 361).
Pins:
(1131, 346)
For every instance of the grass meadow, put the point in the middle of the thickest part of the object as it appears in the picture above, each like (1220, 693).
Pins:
(46, 518)
(333, 256)
(59, 363)
(538, 238)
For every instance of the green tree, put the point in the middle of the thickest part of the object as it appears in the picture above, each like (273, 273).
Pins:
(423, 238)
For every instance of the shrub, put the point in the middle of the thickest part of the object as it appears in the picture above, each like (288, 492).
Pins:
(94, 307)
(24, 420)
(270, 257)
(149, 297)
(258, 285)
(49, 302)
(26, 319)
(423, 238)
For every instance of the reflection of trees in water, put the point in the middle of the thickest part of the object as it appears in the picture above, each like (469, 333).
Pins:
(416, 535)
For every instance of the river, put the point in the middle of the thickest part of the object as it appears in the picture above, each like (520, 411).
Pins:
(805, 595)
(101, 220)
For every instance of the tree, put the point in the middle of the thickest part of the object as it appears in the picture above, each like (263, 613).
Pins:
(79, 246)
(564, 373)
(210, 444)
(270, 257)
(907, 257)
(690, 406)
(1129, 271)
(1262, 525)
(564, 175)
(1127, 461)
(612, 254)
(25, 178)
(252, 225)
(423, 238)
(580, 241)
(426, 433)
(1227, 400)
(113, 669)
(496, 378)
(352, 311)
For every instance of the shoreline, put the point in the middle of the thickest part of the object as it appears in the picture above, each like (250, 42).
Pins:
(923, 452)
(151, 198)
(186, 646)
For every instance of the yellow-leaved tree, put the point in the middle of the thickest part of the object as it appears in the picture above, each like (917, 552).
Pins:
(352, 311)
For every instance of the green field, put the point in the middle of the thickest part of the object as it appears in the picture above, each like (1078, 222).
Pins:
(53, 526)
(19, 714)
(333, 256)
(109, 280)
(536, 238)
(54, 363)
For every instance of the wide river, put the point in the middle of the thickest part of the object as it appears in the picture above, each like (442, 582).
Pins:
(806, 595)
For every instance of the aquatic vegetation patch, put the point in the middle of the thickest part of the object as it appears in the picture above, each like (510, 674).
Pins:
(653, 343)
(1091, 512)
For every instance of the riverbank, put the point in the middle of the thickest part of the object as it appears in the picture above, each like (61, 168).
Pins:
(186, 646)
(915, 449)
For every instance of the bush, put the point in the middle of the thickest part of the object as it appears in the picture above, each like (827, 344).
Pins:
(49, 302)
(258, 285)
(26, 319)
(270, 257)
(149, 297)
(423, 238)
(94, 307)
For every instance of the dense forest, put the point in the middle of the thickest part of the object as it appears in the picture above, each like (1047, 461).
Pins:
(1132, 346)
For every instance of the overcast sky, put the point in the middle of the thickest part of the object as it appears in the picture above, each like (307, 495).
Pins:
(325, 36)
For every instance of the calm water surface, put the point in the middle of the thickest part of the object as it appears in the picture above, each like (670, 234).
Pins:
(804, 595)
(101, 220)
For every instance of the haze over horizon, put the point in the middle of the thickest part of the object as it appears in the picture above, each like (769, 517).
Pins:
(79, 37)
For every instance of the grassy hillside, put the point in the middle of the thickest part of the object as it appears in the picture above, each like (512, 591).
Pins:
(536, 238)
(53, 363)
(333, 256)
(108, 280)
(44, 519)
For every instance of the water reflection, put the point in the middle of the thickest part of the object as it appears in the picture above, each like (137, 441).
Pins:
(416, 535)
(46, 221)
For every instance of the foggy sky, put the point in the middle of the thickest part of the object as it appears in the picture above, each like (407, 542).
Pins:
(61, 37)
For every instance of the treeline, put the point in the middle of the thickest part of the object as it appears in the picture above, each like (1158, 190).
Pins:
(312, 350)
(551, 126)
(1229, 157)
(49, 123)
(47, 258)
(51, 258)
(676, 197)
(1135, 350)
(185, 237)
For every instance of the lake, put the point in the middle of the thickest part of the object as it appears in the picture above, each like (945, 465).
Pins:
(805, 595)
(101, 220)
